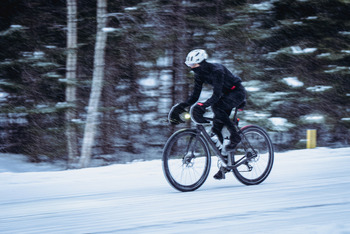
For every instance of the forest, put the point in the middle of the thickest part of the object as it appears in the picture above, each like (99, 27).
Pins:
(292, 55)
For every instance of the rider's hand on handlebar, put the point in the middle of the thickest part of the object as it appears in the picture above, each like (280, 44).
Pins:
(197, 113)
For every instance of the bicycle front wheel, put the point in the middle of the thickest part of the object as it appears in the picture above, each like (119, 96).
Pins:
(186, 160)
(256, 151)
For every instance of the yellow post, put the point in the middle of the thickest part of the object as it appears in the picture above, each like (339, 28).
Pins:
(311, 138)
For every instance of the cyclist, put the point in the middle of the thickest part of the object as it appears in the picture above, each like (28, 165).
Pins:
(228, 92)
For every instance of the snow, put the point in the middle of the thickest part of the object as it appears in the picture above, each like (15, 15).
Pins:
(344, 33)
(52, 75)
(308, 191)
(254, 85)
(3, 96)
(45, 64)
(293, 81)
(313, 118)
(298, 22)
(319, 88)
(337, 69)
(280, 124)
(298, 50)
(149, 81)
(295, 50)
(38, 54)
(13, 28)
(164, 61)
(264, 6)
(109, 29)
(50, 46)
(312, 18)
(16, 163)
(324, 55)
(253, 89)
(16, 26)
(130, 8)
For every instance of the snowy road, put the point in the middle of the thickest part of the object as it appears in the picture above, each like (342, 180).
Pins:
(308, 191)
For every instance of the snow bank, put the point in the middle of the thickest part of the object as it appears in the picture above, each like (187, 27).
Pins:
(19, 163)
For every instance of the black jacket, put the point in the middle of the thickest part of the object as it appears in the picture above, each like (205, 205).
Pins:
(216, 75)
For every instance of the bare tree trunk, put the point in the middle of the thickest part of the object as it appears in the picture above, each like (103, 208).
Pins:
(71, 71)
(97, 83)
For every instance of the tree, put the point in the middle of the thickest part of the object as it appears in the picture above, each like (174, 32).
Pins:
(71, 72)
(31, 62)
(304, 48)
(97, 84)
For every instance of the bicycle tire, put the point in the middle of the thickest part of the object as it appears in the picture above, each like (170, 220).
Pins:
(186, 160)
(259, 166)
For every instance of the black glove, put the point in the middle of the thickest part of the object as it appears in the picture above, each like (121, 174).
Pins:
(197, 113)
(175, 112)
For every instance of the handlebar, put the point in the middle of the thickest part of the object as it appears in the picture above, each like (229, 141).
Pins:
(234, 119)
(177, 116)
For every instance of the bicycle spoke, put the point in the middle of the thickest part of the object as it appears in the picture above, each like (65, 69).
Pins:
(256, 149)
(186, 161)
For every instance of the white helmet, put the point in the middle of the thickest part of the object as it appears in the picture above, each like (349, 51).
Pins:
(195, 56)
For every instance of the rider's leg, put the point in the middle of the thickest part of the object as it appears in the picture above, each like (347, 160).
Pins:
(217, 128)
(222, 110)
(222, 118)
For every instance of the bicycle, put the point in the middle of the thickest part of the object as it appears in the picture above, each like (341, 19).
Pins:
(187, 156)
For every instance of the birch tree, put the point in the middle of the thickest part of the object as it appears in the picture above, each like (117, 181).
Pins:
(97, 83)
(71, 70)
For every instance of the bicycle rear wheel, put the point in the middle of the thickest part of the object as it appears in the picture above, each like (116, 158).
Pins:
(186, 160)
(256, 146)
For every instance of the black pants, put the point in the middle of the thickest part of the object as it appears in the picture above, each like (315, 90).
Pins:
(222, 110)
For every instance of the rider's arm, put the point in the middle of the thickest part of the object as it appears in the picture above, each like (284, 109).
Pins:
(197, 89)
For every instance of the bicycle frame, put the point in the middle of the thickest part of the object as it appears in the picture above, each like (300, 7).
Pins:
(230, 164)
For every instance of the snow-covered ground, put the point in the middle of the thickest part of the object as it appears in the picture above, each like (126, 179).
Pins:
(308, 191)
